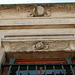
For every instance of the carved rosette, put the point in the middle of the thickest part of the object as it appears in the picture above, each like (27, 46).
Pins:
(40, 45)
(39, 11)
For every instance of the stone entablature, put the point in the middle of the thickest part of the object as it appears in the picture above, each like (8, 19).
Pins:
(27, 33)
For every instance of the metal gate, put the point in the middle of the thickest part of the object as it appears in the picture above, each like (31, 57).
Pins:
(39, 67)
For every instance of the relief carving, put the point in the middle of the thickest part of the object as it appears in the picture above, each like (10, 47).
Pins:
(39, 11)
(39, 46)
(52, 45)
(35, 10)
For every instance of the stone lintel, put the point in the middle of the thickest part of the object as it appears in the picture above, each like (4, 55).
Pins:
(33, 44)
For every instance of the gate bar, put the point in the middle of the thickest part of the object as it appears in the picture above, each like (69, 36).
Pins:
(27, 68)
(18, 70)
(70, 62)
(45, 68)
(54, 70)
(36, 69)
(12, 61)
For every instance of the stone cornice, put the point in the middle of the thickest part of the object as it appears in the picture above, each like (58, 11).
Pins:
(45, 38)
(36, 23)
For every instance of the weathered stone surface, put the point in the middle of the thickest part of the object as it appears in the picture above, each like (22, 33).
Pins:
(52, 10)
(38, 22)
(38, 11)
(50, 33)
(39, 45)
(31, 44)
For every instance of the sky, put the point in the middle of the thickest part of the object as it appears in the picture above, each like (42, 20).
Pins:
(33, 1)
